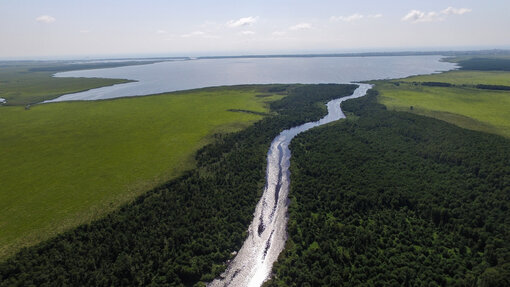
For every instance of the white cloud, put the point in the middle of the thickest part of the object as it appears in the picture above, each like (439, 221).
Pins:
(84, 31)
(246, 21)
(354, 17)
(161, 32)
(45, 19)
(301, 26)
(247, 32)
(455, 11)
(416, 16)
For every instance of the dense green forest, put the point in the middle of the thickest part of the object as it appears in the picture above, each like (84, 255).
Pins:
(395, 199)
(383, 199)
(485, 64)
(183, 232)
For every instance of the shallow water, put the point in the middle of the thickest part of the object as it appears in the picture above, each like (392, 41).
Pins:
(267, 232)
(182, 75)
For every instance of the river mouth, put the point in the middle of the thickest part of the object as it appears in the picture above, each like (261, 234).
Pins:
(267, 232)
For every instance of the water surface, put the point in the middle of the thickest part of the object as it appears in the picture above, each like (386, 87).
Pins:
(183, 75)
(267, 232)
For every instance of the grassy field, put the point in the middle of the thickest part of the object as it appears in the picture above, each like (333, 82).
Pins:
(462, 104)
(19, 85)
(68, 163)
(466, 78)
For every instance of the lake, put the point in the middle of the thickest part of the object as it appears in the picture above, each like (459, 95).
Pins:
(191, 74)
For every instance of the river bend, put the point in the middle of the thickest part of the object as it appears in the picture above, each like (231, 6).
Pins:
(267, 232)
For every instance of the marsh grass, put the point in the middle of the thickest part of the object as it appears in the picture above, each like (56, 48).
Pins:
(462, 104)
(68, 163)
(19, 85)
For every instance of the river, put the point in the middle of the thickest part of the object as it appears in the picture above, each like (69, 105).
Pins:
(267, 232)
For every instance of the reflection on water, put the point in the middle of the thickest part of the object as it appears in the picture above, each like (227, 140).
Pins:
(183, 75)
(267, 232)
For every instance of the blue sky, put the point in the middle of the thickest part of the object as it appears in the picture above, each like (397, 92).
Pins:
(32, 29)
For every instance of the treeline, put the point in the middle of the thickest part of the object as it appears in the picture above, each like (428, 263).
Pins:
(493, 87)
(397, 199)
(486, 64)
(448, 85)
(179, 234)
(436, 84)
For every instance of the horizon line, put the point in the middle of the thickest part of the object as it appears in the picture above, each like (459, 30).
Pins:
(84, 58)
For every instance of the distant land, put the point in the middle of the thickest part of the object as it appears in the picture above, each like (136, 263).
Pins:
(495, 52)
(113, 62)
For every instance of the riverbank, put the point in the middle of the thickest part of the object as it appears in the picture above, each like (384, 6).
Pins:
(268, 231)
(185, 230)
(394, 198)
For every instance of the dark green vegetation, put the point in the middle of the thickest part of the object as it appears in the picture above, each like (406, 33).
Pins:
(182, 232)
(485, 64)
(477, 97)
(396, 199)
(477, 100)
(436, 84)
(65, 164)
(493, 87)
(29, 82)
(248, 112)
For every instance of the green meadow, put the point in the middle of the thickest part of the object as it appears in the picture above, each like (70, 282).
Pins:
(23, 83)
(466, 78)
(462, 103)
(63, 164)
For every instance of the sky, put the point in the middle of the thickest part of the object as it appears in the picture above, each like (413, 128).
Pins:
(93, 28)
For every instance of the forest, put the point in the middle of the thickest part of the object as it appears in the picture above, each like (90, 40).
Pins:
(493, 87)
(485, 64)
(182, 233)
(384, 198)
(390, 198)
